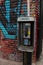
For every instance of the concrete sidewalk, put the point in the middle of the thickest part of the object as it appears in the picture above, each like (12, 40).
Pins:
(8, 62)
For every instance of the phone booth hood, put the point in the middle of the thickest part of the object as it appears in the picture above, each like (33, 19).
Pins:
(26, 33)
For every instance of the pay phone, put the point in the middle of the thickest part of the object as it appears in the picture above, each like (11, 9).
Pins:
(26, 28)
(26, 33)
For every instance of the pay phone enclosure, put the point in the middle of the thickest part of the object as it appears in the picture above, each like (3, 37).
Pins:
(26, 34)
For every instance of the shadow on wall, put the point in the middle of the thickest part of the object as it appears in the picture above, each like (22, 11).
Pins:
(42, 16)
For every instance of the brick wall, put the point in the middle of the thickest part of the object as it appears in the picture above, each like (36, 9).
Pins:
(35, 12)
(8, 47)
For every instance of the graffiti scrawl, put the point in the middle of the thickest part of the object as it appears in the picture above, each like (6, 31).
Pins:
(9, 11)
